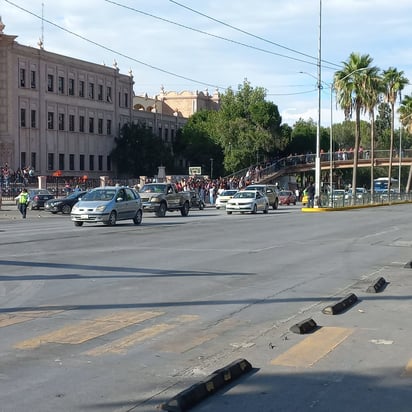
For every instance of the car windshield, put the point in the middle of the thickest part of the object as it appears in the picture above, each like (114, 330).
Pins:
(152, 189)
(284, 193)
(244, 195)
(103, 194)
(228, 193)
(73, 195)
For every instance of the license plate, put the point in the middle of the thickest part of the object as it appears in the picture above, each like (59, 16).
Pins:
(84, 216)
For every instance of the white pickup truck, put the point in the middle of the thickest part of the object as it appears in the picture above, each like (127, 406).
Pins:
(162, 197)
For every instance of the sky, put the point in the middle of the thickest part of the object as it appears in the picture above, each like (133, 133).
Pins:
(216, 44)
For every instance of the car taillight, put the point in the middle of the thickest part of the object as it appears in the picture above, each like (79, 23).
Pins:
(36, 197)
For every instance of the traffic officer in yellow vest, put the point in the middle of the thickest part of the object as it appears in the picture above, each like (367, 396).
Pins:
(22, 202)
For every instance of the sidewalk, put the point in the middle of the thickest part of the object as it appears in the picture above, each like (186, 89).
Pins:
(9, 210)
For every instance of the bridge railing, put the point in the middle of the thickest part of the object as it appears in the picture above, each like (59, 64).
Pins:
(271, 168)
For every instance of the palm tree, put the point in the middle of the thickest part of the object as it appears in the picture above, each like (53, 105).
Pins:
(351, 84)
(394, 82)
(405, 117)
(373, 90)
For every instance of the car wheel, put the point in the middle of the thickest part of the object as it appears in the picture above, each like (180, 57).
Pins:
(266, 209)
(254, 211)
(184, 211)
(201, 206)
(138, 217)
(78, 223)
(112, 219)
(229, 213)
(53, 213)
(66, 209)
(161, 212)
(275, 204)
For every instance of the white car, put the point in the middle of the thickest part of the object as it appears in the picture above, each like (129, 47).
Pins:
(248, 201)
(224, 197)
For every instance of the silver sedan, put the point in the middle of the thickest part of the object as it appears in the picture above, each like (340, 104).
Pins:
(248, 201)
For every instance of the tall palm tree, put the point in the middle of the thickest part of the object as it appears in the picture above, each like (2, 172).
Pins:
(394, 82)
(351, 84)
(373, 91)
(405, 117)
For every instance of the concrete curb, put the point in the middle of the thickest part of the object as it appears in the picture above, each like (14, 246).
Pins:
(339, 209)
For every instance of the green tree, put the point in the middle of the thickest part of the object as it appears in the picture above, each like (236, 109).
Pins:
(248, 127)
(394, 82)
(139, 152)
(351, 84)
(383, 126)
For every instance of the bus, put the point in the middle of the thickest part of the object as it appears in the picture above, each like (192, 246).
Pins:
(381, 184)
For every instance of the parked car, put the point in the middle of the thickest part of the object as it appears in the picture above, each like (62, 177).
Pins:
(107, 205)
(248, 201)
(63, 204)
(271, 191)
(37, 198)
(223, 197)
(287, 197)
(337, 199)
(196, 201)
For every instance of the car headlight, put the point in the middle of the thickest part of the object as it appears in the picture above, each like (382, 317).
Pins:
(75, 208)
(100, 208)
(155, 199)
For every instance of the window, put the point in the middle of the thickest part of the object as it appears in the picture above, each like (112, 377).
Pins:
(160, 132)
(81, 162)
(71, 122)
(100, 162)
(166, 134)
(50, 161)
(109, 94)
(22, 77)
(33, 119)
(91, 162)
(61, 85)
(109, 163)
(23, 159)
(109, 127)
(71, 161)
(126, 100)
(61, 121)
(33, 79)
(22, 117)
(100, 126)
(61, 161)
(71, 87)
(33, 160)
(81, 88)
(50, 83)
(100, 92)
(91, 124)
(50, 120)
(91, 90)
(81, 124)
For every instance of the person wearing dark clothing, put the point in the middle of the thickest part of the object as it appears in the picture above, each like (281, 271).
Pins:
(311, 195)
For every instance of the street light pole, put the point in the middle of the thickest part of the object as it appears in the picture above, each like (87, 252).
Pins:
(317, 159)
(211, 168)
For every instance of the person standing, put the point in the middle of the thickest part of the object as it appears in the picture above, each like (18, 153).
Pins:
(311, 195)
(22, 202)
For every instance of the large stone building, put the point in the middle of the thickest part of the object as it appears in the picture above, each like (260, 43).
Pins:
(62, 114)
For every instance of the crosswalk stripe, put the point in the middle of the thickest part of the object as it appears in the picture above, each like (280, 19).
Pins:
(15, 318)
(84, 331)
(313, 348)
(120, 345)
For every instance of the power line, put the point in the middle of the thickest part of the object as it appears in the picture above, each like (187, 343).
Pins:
(214, 35)
(250, 34)
(114, 51)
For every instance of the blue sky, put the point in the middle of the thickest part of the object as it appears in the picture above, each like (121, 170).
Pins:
(219, 43)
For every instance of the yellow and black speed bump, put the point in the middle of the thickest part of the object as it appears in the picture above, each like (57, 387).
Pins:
(305, 326)
(341, 306)
(191, 396)
(377, 286)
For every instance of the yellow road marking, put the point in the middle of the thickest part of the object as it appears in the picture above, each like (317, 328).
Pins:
(313, 348)
(120, 345)
(90, 329)
(15, 318)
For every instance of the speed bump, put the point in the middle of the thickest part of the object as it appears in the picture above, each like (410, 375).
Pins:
(377, 285)
(305, 326)
(191, 396)
(341, 305)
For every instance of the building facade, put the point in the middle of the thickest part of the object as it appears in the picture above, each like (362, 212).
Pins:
(61, 114)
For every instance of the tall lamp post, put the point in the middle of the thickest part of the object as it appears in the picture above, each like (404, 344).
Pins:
(211, 168)
(317, 159)
(400, 151)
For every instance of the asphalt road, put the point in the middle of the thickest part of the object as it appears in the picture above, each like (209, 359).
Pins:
(123, 318)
